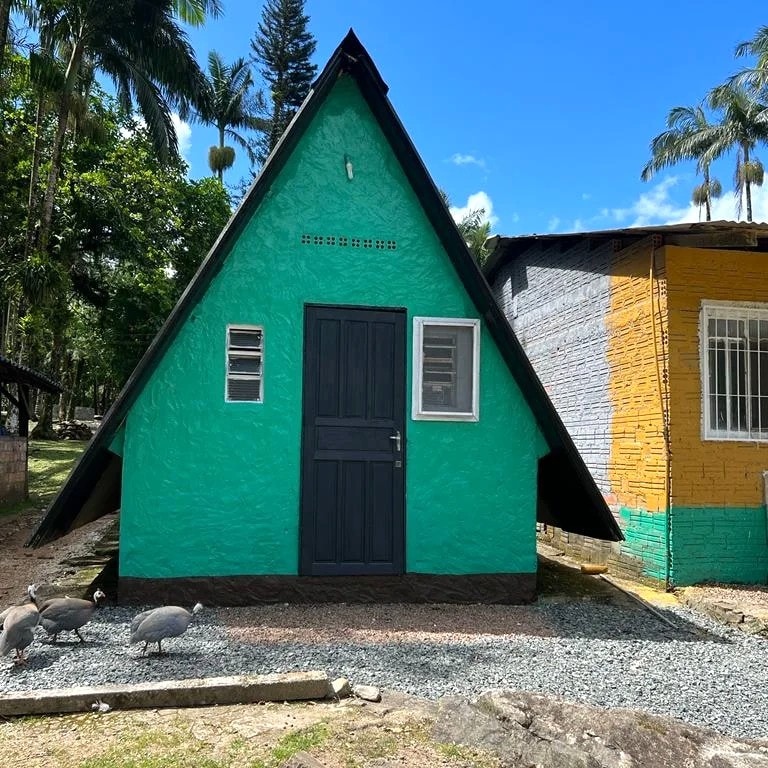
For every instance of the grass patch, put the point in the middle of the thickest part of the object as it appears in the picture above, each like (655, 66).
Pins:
(300, 741)
(152, 748)
(50, 461)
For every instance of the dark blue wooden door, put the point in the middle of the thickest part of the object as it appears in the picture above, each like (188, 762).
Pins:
(353, 441)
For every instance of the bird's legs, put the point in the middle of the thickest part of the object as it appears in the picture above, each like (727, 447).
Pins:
(77, 632)
(19, 660)
(159, 647)
(144, 651)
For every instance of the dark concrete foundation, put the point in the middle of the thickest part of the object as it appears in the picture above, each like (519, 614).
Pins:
(503, 588)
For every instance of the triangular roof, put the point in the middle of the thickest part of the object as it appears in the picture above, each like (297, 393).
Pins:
(568, 496)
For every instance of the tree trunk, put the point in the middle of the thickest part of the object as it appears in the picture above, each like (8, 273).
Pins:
(58, 317)
(46, 216)
(220, 172)
(747, 185)
(5, 20)
(44, 429)
(707, 202)
(66, 383)
(34, 176)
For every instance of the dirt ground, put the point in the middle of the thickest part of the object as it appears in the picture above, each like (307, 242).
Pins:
(394, 732)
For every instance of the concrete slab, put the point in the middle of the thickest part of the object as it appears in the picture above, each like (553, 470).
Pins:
(199, 692)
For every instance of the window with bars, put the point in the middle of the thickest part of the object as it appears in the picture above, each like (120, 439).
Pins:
(245, 357)
(446, 363)
(734, 359)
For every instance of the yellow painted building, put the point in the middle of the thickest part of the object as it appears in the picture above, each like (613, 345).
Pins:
(656, 356)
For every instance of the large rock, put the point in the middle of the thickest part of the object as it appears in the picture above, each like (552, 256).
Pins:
(529, 729)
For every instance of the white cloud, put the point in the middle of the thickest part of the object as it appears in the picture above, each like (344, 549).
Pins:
(586, 196)
(475, 202)
(657, 207)
(183, 134)
(725, 208)
(553, 224)
(459, 159)
(652, 207)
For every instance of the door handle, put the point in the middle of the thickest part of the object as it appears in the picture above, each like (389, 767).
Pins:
(396, 438)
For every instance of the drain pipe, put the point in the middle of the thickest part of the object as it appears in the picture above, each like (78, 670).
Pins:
(656, 242)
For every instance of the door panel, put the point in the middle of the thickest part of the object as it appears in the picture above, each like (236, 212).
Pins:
(353, 489)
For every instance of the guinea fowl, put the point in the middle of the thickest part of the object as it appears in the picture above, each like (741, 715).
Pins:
(19, 627)
(155, 625)
(62, 614)
(30, 597)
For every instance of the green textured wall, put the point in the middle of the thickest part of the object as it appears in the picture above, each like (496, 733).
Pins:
(212, 488)
(645, 536)
(726, 544)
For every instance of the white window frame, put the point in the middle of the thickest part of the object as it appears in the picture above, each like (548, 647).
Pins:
(246, 353)
(417, 412)
(727, 310)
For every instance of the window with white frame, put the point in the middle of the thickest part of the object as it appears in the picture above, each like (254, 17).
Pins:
(245, 358)
(734, 363)
(446, 369)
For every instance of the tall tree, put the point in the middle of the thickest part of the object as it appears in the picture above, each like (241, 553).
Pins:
(743, 124)
(229, 102)
(283, 48)
(687, 137)
(141, 48)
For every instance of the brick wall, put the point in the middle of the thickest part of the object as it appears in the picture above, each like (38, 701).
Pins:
(718, 521)
(557, 303)
(13, 469)
(583, 316)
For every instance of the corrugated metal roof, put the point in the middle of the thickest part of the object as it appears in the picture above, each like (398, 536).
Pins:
(502, 246)
(15, 373)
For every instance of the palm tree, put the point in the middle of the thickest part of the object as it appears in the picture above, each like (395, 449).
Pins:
(229, 102)
(755, 77)
(194, 12)
(743, 124)
(141, 48)
(686, 138)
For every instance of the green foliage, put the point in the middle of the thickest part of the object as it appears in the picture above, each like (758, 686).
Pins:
(474, 229)
(128, 232)
(283, 48)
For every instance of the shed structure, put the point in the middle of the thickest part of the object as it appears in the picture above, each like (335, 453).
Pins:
(336, 409)
(16, 381)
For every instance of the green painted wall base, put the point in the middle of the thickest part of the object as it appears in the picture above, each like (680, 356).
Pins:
(723, 544)
(645, 540)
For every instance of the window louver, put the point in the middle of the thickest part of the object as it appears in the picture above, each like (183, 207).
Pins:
(245, 350)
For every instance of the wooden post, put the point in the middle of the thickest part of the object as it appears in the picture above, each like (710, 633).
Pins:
(23, 410)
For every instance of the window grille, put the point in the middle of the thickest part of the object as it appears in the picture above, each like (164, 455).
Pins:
(734, 361)
(245, 353)
(446, 369)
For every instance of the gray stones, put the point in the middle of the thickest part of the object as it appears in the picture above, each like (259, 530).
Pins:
(367, 692)
(530, 729)
(340, 688)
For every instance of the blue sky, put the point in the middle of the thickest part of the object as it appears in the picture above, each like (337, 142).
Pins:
(540, 111)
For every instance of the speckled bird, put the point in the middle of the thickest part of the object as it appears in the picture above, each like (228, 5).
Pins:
(19, 627)
(68, 614)
(157, 624)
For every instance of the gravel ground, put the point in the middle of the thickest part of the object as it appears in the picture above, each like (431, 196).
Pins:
(604, 654)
